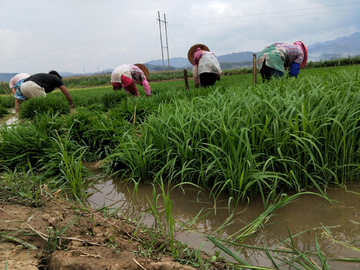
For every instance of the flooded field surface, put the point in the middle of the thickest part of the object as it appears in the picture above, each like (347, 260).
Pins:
(308, 220)
(9, 119)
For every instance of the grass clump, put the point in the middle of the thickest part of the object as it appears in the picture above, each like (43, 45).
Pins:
(43, 105)
(286, 134)
(237, 137)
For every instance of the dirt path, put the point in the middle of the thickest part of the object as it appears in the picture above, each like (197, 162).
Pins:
(62, 236)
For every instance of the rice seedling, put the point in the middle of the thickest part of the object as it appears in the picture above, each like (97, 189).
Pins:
(164, 219)
(111, 99)
(87, 81)
(42, 105)
(260, 138)
(15, 237)
(286, 252)
(3, 111)
(234, 137)
(7, 101)
(72, 169)
(30, 143)
(54, 237)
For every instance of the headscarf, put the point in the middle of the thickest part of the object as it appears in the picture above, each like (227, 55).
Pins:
(304, 49)
(197, 55)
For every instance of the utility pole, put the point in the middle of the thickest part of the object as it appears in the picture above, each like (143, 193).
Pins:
(167, 46)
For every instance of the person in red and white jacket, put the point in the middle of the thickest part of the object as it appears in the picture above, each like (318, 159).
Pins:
(206, 68)
(127, 76)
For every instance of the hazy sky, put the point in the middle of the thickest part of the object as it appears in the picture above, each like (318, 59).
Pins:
(93, 35)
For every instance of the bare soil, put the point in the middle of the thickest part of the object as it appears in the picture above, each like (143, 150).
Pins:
(92, 241)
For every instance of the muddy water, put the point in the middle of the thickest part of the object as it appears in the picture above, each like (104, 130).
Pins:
(308, 212)
(9, 119)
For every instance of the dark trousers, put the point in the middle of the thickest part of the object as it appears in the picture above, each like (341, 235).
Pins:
(268, 72)
(207, 79)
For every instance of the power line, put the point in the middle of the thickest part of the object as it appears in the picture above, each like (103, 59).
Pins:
(240, 18)
(101, 42)
(275, 12)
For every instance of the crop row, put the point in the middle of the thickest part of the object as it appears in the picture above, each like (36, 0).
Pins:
(288, 134)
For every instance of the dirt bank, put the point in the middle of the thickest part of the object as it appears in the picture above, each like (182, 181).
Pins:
(59, 235)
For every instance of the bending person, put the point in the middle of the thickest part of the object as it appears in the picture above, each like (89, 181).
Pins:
(206, 68)
(275, 58)
(14, 80)
(38, 85)
(127, 76)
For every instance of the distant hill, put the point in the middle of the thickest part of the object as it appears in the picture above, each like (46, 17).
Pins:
(234, 60)
(328, 50)
(70, 74)
(353, 40)
(236, 57)
(177, 62)
(340, 47)
(6, 77)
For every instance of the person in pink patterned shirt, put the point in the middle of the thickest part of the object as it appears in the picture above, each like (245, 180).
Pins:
(127, 76)
(275, 58)
(14, 80)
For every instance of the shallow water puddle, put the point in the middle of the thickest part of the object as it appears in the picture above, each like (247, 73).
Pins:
(9, 119)
(308, 212)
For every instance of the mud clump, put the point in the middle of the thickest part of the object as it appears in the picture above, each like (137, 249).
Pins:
(58, 236)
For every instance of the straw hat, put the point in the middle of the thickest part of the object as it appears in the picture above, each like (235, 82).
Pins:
(144, 69)
(304, 50)
(193, 49)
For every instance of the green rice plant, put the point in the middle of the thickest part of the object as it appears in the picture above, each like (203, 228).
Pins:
(258, 138)
(7, 101)
(230, 253)
(270, 208)
(133, 109)
(164, 219)
(350, 60)
(111, 99)
(14, 237)
(157, 226)
(99, 132)
(169, 216)
(87, 81)
(30, 144)
(234, 137)
(41, 105)
(299, 259)
(27, 185)
(71, 168)
(168, 75)
(3, 111)
(54, 237)
(87, 97)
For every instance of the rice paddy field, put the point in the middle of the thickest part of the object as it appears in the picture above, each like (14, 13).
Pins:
(234, 145)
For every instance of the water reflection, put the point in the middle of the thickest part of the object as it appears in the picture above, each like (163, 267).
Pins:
(310, 212)
(9, 119)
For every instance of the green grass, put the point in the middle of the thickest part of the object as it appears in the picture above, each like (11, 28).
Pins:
(287, 134)
(6, 102)
(234, 137)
